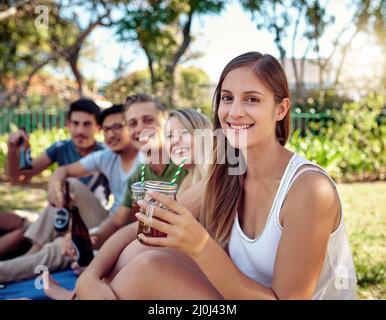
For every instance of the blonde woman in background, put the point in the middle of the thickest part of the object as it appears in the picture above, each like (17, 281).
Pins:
(188, 135)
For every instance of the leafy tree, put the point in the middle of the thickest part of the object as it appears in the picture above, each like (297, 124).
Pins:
(25, 48)
(307, 21)
(163, 30)
(22, 49)
(192, 87)
(136, 82)
(69, 49)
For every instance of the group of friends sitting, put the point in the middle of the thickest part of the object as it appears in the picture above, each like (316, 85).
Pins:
(267, 226)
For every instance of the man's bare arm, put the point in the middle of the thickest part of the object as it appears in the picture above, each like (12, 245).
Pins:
(55, 195)
(38, 164)
(16, 176)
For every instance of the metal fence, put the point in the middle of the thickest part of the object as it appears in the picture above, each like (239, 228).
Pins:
(31, 120)
(301, 120)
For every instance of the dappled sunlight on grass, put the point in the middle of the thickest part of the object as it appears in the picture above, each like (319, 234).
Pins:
(365, 218)
(22, 197)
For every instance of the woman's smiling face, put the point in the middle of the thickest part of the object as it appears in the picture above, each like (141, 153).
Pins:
(178, 141)
(247, 109)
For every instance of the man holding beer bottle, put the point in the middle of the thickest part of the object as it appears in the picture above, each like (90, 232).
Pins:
(69, 195)
(117, 163)
(82, 124)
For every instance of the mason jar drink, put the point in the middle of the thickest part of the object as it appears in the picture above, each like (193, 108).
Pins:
(137, 192)
(160, 187)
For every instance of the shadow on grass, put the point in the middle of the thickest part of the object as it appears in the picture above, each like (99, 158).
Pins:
(29, 197)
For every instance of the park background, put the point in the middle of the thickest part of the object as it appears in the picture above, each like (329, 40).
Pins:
(334, 53)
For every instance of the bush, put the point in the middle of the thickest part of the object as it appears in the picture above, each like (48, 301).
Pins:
(320, 101)
(352, 147)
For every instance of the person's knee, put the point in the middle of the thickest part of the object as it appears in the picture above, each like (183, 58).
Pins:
(150, 260)
(18, 233)
(75, 184)
(10, 221)
(138, 274)
(146, 265)
(77, 189)
(153, 271)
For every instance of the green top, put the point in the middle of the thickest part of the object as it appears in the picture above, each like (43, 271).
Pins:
(167, 175)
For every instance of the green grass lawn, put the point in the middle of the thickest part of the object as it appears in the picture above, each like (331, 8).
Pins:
(365, 218)
(32, 198)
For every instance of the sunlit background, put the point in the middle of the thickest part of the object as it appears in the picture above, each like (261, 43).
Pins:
(334, 54)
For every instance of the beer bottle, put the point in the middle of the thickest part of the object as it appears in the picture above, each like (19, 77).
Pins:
(80, 239)
(25, 160)
(62, 215)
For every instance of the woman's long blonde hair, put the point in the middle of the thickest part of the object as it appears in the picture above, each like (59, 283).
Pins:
(193, 120)
(223, 191)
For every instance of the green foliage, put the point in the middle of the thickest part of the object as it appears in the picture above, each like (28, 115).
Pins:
(27, 46)
(321, 101)
(291, 22)
(353, 146)
(24, 49)
(136, 82)
(163, 30)
(192, 87)
(20, 42)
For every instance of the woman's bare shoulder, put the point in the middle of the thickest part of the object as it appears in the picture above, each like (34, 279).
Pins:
(312, 196)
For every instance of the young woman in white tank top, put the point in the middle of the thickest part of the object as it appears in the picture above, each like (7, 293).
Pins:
(272, 231)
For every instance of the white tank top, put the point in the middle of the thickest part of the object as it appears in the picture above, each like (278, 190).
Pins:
(256, 257)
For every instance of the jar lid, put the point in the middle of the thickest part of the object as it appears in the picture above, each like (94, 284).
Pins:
(161, 186)
(137, 187)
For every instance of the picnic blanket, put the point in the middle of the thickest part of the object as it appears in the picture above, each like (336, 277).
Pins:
(32, 289)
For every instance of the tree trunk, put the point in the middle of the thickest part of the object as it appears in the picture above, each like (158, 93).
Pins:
(302, 62)
(171, 89)
(343, 58)
(293, 60)
(297, 84)
(24, 90)
(177, 56)
(71, 53)
(78, 76)
(150, 65)
(35, 70)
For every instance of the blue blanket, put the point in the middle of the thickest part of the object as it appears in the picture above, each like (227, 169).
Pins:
(27, 288)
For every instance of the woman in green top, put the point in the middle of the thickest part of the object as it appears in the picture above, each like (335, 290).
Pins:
(182, 129)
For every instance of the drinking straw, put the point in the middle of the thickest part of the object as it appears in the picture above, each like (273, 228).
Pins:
(178, 171)
(143, 175)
